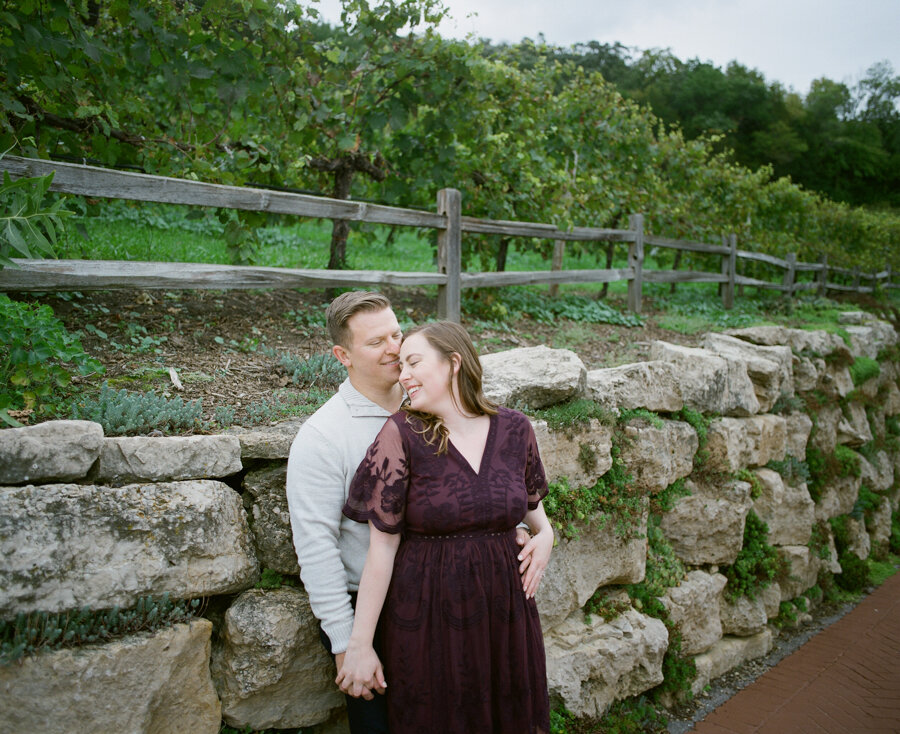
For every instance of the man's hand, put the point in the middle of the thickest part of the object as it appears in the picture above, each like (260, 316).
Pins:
(360, 672)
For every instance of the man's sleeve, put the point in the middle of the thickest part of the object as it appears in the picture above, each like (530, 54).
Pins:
(315, 494)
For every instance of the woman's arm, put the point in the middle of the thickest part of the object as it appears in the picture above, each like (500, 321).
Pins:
(360, 670)
(535, 555)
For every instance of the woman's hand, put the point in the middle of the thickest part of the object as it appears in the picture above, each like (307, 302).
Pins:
(535, 555)
(360, 671)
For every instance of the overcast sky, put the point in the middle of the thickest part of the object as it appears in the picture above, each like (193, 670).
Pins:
(790, 41)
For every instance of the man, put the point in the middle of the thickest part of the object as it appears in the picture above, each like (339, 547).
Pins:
(331, 548)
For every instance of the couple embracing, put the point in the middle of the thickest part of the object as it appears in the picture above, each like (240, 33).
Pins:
(405, 491)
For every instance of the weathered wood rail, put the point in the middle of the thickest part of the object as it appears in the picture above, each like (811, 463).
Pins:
(447, 220)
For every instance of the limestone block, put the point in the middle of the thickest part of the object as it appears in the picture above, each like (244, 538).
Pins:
(269, 668)
(769, 368)
(705, 529)
(825, 437)
(860, 544)
(173, 458)
(155, 683)
(892, 400)
(737, 443)
(797, 426)
(582, 455)
(589, 666)
(67, 546)
(877, 475)
(788, 510)
(817, 343)
(806, 372)
(835, 381)
(270, 518)
(709, 383)
(267, 442)
(830, 562)
(533, 376)
(868, 340)
(693, 606)
(579, 566)
(837, 497)
(51, 451)
(853, 428)
(771, 599)
(743, 617)
(894, 494)
(651, 385)
(656, 457)
(879, 524)
(802, 573)
(728, 654)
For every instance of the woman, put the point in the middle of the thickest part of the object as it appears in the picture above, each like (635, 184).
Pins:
(452, 474)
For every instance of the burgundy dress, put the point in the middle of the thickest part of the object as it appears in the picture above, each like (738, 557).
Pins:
(463, 647)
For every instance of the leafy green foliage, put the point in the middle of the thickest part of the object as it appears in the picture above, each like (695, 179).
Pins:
(28, 228)
(745, 475)
(792, 469)
(271, 579)
(37, 357)
(30, 633)
(517, 303)
(757, 564)
(864, 369)
(844, 462)
(317, 370)
(855, 575)
(122, 412)
(574, 414)
(635, 715)
(664, 569)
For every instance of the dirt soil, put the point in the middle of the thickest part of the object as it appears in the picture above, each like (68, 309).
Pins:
(224, 346)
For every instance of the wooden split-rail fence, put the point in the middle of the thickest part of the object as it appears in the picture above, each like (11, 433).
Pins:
(447, 220)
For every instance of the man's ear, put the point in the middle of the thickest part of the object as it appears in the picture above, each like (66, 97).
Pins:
(341, 355)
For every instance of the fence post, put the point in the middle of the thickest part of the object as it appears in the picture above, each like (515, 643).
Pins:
(636, 262)
(559, 248)
(729, 268)
(788, 280)
(823, 276)
(449, 255)
(856, 278)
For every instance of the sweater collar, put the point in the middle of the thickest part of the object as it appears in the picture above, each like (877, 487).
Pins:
(360, 406)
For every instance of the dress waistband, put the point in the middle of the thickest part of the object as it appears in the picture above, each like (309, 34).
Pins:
(462, 535)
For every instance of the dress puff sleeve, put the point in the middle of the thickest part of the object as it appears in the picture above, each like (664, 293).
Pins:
(535, 478)
(379, 487)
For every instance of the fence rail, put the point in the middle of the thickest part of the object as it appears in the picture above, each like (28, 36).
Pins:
(447, 221)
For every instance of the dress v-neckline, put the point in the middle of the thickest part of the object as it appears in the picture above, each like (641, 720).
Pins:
(487, 444)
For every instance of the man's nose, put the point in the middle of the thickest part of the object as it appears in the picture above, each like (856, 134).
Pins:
(394, 343)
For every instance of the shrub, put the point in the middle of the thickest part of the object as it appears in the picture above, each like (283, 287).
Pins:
(122, 412)
(864, 369)
(37, 357)
(567, 417)
(317, 370)
(757, 564)
(855, 574)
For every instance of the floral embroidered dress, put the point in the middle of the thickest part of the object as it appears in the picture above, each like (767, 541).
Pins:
(463, 647)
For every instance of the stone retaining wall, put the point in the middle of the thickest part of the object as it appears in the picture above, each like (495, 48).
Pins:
(88, 521)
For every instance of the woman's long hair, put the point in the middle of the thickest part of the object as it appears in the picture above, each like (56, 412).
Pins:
(449, 338)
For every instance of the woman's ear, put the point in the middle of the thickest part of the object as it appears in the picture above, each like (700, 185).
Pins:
(456, 361)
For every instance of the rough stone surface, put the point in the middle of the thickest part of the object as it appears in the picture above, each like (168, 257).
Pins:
(837, 497)
(859, 543)
(267, 442)
(709, 383)
(269, 667)
(806, 373)
(150, 683)
(802, 574)
(173, 458)
(589, 666)
(867, 340)
(892, 400)
(533, 376)
(727, 654)
(835, 381)
(582, 455)
(769, 368)
(693, 605)
(877, 475)
(269, 518)
(55, 450)
(656, 457)
(579, 566)
(879, 523)
(738, 443)
(771, 599)
(743, 617)
(705, 529)
(788, 510)
(819, 343)
(853, 429)
(651, 385)
(67, 546)
(797, 427)
(825, 436)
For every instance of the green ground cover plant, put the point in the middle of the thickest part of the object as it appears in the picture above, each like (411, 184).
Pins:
(757, 564)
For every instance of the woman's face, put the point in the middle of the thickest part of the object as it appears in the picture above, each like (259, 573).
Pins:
(425, 375)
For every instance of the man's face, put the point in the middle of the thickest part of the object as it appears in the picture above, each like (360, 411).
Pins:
(374, 347)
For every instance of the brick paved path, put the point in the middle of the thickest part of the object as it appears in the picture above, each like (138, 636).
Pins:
(844, 680)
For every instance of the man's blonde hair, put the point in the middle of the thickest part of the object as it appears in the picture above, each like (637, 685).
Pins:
(349, 304)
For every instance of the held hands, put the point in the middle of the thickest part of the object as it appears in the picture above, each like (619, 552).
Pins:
(360, 671)
(534, 556)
